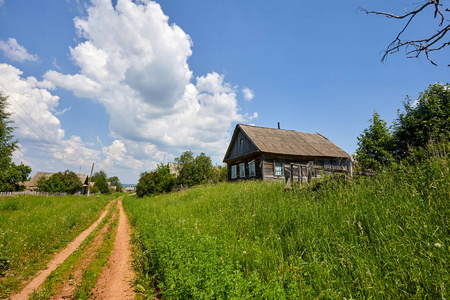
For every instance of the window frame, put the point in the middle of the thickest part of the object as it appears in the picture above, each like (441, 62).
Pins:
(242, 170)
(252, 167)
(233, 171)
(281, 168)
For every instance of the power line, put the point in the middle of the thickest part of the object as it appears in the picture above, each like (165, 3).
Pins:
(34, 141)
(10, 95)
(45, 143)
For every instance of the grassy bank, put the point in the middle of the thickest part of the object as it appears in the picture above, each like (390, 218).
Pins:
(33, 228)
(384, 237)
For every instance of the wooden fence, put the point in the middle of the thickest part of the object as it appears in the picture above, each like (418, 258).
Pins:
(305, 172)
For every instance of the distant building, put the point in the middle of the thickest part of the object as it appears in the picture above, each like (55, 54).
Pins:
(174, 168)
(268, 153)
(32, 184)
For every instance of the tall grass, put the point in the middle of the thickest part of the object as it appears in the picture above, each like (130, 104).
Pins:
(383, 237)
(32, 228)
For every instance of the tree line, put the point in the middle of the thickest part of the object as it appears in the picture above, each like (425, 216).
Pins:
(189, 171)
(422, 128)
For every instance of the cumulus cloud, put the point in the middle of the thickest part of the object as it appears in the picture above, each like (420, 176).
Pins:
(15, 52)
(134, 62)
(43, 143)
(248, 94)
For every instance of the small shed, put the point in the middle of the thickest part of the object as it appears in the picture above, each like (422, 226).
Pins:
(271, 154)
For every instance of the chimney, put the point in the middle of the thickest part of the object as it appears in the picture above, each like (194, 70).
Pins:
(278, 125)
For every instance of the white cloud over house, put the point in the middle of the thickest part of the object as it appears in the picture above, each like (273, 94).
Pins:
(15, 52)
(135, 63)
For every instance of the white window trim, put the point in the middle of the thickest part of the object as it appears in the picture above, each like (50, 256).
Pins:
(250, 168)
(275, 168)
(242, 168)
(233, 172)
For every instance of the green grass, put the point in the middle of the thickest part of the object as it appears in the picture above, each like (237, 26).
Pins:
(33, 228)
(91, 272)
(383, 237)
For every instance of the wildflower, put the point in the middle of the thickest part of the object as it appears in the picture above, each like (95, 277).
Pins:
(438, 245)
(245, 252)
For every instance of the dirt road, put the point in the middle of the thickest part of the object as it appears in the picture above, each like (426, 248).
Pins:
(115, 279)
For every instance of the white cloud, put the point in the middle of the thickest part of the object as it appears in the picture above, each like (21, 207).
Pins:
(2, 2)
(135, 64)
(38, 129)
(44, 146)
(248, 94)
(12, 50)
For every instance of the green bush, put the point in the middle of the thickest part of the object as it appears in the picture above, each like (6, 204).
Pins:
(156, 182)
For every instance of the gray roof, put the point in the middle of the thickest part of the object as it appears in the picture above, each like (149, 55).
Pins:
(46, 175)
(288, 142)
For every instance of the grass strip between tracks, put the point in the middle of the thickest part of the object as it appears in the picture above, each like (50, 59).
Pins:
(90, 272)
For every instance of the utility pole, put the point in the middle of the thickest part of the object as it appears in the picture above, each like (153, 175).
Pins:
(89, 180)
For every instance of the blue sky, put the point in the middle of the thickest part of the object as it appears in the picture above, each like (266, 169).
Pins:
(128, 84)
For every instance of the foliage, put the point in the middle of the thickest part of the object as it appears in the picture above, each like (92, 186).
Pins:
(375, 145)
(421, 125)
(33, 228)
(94, 190)
(156, 182)
(424, 121)
(98, 175)
(67, 182)
(115, 182)
(193, 171)
(11, 175)
(367, 239)
(102, 184)
(12, 178)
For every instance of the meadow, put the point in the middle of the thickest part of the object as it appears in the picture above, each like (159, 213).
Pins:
(33, 228)
(382, 237)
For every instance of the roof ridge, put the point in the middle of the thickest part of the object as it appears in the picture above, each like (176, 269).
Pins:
(292, 130)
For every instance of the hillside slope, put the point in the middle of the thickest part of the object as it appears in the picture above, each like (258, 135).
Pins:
(383, 237)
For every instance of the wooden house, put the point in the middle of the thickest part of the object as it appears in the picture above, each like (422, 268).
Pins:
(32, 184)
(273, 154)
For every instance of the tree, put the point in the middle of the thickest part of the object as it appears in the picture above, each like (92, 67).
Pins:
(114, 181)
(434, 41)
(193, 171)
(66, 182)
(375, 145)
(98, 174)
(156, 182)
(427, 119)
(11, 175)
(102, 185)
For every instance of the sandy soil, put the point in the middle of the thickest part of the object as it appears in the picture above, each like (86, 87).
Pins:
(114, 282)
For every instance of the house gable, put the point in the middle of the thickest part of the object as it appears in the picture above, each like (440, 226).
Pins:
(240, 145)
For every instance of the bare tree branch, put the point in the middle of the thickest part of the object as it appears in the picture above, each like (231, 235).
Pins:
(426, 45)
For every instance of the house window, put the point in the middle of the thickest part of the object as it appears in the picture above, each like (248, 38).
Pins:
(233, 172)
(242, 170)
(251, 169)
(241, 146)
(278, 168)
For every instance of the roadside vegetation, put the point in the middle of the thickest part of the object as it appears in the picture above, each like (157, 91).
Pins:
(386, 236)
(191, 171)
(383, 237)
(12, 176)
(33, 228)
(78, 275)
